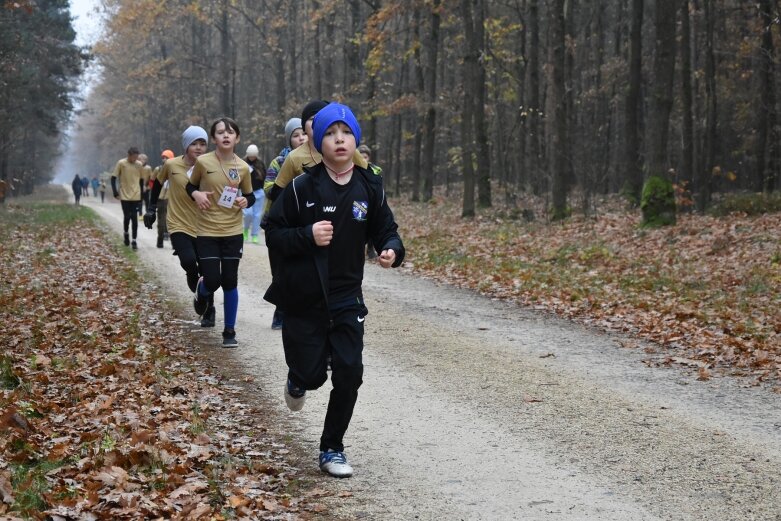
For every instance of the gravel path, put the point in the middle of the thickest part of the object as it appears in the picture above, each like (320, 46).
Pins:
(477, 409)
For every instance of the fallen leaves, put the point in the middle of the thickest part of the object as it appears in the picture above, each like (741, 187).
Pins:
(706, 289)
(104, 411)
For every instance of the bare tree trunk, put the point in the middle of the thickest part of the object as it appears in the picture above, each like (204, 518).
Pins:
(558, 102)
(481, 132)
(764, 174)
(634, 173)
(420, 91)
(351, 54)
(687, 163)
(519, 175)
(471, 55)
(662, 89)
(658, 197)
(533, 168)
(429, 126)
(225, 60)
(705, 175)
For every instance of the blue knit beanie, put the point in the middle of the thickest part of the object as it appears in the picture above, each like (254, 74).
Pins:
(191, 134)
(330, 114)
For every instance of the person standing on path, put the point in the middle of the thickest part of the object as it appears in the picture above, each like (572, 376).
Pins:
(146, 175)
(128, 171)
(76, 187)
(214, 186)
(95, 184)
(252, 214)
(162, 200)
(294, 138)
(319, 228)
(102, 190)
(182, 214)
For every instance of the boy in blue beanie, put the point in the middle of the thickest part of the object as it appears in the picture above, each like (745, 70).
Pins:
(319, 227)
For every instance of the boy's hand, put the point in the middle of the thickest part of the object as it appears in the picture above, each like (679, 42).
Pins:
(241, 202)
(323, 232)
(202, 199)
(387, 258)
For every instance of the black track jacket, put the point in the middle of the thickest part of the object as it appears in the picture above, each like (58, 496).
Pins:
(300, 278)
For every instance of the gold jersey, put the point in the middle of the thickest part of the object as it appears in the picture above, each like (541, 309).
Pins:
(129, 175)
(212, 175)
(164, 190)
(304, 156)
(183, 215)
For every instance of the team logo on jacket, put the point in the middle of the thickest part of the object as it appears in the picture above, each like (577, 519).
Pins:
(360, 210)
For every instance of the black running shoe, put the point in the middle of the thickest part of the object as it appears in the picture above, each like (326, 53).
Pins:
(207, 320)
(134, 245)
(277, 321)
(229, 338)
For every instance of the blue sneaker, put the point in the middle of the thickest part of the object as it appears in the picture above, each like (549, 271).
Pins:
(294, 396)
(335, 464)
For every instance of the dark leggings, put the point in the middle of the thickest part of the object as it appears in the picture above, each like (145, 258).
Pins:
(219, 261)
(220, 273)
(130, 215)
(184, 248)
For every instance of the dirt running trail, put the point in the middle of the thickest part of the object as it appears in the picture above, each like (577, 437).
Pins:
(476, 409)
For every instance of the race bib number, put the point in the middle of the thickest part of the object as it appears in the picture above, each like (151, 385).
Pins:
(229, 195)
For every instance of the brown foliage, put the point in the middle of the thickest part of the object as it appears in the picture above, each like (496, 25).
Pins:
(706, 292)
(113, 416)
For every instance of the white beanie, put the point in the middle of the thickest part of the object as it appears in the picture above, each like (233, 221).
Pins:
(252, 151)
(191, 134)
(290, 127)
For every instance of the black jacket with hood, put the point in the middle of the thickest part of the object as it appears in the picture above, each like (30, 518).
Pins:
(300, 279)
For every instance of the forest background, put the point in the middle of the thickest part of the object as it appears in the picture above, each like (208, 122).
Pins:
(560, 99)
(517, 113)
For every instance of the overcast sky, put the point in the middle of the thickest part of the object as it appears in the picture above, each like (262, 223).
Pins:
(87, 24)
(86, 21)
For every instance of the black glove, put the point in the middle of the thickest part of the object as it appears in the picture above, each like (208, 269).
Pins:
(150, 216)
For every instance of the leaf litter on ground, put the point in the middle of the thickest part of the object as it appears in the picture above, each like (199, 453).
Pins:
(105, 413)
(705, 293)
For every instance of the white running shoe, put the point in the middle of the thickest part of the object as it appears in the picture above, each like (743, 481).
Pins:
(335, 464)
(294, 397)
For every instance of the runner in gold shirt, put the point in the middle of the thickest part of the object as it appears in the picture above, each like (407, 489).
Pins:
(162, 201)
(183, 215)
(146, 175)
(128, 171)
(221, 187)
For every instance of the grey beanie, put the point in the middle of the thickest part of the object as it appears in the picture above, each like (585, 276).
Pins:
(191, 134)
(290, 127)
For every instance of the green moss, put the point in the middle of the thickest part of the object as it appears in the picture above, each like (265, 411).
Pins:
(8, 379)
(748, 203)
(658, 202)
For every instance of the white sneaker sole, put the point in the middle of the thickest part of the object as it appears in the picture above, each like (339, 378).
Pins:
(294, 404)
(337, 470)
